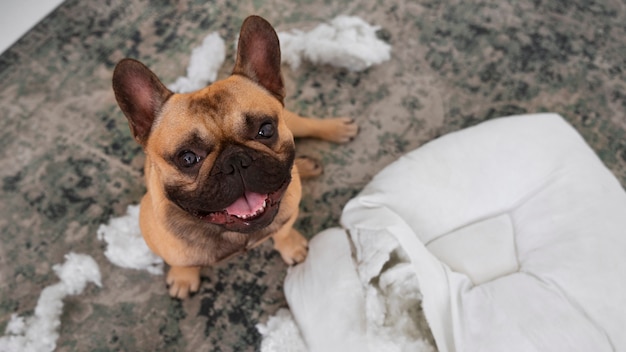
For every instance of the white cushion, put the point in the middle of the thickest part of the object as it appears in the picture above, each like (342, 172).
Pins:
(514, 229)
(484, 250)
(525, 236)
(330, 284)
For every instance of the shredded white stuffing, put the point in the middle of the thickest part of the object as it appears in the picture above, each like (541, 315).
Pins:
(281, 333)
(39, 332)
(393, 300)
(346, 41)
(204, 64)
(391, 310)
(125, 245)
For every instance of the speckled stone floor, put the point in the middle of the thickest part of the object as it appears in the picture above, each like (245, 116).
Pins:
(68, 163)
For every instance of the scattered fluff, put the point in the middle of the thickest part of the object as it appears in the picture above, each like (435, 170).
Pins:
(125, 245)
(204, 64)
(391, 309)
(39, 332)
(280, 333)
(347, 42)
(392, 293)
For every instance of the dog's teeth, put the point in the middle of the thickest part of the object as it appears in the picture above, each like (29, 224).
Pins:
(256, 213)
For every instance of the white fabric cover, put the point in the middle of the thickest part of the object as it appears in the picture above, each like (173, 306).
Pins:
(344, 297)
(514, 229)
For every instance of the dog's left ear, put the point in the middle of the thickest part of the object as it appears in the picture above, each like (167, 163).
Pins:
(258, 55)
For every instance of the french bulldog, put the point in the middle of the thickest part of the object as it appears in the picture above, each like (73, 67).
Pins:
(220, 168)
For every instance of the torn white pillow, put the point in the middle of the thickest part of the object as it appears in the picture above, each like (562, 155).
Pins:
(512, 231)
(515, 230)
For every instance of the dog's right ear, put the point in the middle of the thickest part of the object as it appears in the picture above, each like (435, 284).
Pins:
(258, 55)
(140, 95)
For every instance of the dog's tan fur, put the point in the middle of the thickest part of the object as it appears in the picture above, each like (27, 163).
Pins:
(218, 115)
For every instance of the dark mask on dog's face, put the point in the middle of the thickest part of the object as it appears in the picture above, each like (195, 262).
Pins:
(241, 192)
(235, 182)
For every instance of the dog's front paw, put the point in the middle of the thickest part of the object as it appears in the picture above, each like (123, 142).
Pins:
(339, 129)
(293, 248)
(183, 280)
(308, 167)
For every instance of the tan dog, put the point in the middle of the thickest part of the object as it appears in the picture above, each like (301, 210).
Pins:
(220, 169)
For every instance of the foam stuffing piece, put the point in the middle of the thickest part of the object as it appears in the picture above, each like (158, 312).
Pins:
(204, 64)
(345, 41)
(281, 333)
(38, 333)
(126, 247)
(513, 232)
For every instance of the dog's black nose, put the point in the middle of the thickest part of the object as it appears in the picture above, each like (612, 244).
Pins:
(240, 161)
(234, 160)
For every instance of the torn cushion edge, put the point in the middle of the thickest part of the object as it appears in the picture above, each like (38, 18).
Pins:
(325, 295)
(369, 305)
(514, 229)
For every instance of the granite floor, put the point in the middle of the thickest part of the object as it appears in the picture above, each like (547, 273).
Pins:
(68, 163)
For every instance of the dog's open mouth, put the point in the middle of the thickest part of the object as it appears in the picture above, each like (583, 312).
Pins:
(250, 212)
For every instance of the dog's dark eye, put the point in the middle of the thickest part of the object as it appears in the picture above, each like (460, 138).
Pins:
(188, 159)
(266, 130)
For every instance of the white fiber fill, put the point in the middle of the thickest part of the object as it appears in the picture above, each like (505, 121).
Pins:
(281, 333)
(38, 333)
(125, 244)
(204, 64)
(346, 41)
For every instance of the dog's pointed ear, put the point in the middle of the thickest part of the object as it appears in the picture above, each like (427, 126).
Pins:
(258, 55)
(140, 95)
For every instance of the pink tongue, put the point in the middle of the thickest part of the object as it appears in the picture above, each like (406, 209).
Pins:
(248, 204)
